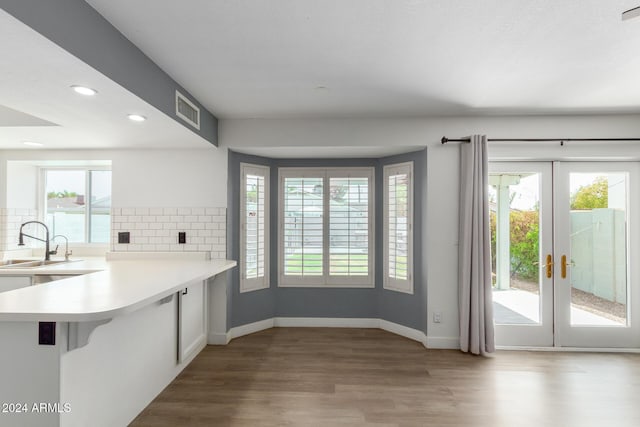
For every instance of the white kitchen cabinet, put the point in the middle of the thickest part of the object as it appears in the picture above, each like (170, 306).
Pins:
(9, 283)
(192, 319)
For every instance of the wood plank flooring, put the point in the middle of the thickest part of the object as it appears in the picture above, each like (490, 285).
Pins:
(369, 377)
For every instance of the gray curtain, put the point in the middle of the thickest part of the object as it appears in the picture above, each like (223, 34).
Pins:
(474, 253)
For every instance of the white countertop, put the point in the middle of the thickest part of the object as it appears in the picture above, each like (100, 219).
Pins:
(108, 289)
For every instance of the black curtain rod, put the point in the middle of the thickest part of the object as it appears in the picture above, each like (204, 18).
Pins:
(444, 139)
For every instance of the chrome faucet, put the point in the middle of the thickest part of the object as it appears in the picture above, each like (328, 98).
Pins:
(47, 252)
(67, 252)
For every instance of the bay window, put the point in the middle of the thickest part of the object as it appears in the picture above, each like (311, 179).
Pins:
(325, 227)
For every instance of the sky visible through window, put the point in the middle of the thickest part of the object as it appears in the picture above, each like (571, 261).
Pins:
(74, 182)
(68, 201)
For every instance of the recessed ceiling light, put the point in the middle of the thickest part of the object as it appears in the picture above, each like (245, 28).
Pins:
(137, 117)
(33, 143)
(83, 90)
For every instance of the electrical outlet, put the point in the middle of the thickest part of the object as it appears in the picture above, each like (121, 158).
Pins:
(123, 237)
(47, 333)
(437, 317)
(182, 237)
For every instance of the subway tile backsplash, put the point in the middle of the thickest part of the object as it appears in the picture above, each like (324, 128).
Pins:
(156, 229)
(10, 221)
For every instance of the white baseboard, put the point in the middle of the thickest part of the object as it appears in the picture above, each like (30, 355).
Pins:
(445, 343)
(317, 322)
(250, 328)
(324, 322)
(403, 331)
(218, 338)
(448, 343)
(569, 349)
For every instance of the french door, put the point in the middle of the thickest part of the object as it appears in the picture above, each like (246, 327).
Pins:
(564, 237)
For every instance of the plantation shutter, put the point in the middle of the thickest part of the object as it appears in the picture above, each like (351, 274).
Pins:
(398, 224)
(254, 227)
(326, 227)
(303, 226)
(350, 226)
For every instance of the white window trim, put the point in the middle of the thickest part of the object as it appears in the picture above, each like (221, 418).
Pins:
(389, 283)
(327, 280)
(42, 198)
(254, 284)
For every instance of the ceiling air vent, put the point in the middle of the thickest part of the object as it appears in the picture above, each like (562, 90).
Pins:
(187, 111)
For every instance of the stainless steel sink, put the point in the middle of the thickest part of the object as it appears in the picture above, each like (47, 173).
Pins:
(8, 262)
(39, 279)
(41, 263)
(28, 263)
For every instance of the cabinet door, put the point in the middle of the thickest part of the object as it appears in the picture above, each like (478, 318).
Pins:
(191, 319)
(8, 283)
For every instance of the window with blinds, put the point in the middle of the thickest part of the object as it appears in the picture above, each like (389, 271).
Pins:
(349, 226)
(326, 223)
(303, 226)
(254, 239)
(398, 227)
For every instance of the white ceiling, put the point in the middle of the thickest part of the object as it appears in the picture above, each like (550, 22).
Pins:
(37, 104)
(329, 58)
(10, 117)
(255, 58)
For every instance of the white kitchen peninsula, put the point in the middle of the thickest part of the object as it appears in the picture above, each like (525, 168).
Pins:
(123, 330)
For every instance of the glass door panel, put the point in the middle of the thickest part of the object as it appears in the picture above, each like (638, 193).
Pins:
(515, 240)
(520, 204)
(598, 246)
(596, 236)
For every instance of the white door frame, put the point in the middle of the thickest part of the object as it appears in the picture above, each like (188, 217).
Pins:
(567, 335)
(541, 334)
(554, 329)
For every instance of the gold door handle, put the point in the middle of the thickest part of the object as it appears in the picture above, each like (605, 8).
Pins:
(548, 266)
(563, 267)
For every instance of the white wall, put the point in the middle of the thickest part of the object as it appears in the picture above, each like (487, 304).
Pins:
(144, 178)
(22, 188)
(443, 170)
(415, 131)
(176, 178)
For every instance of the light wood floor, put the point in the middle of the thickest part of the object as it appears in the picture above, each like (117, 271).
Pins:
(351, 377)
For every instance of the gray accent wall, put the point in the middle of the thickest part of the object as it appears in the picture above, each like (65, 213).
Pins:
(79, 29)
(398, 307)
(404, 309)
(252, 306)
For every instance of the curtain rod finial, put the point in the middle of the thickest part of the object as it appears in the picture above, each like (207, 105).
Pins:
(444, 140)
